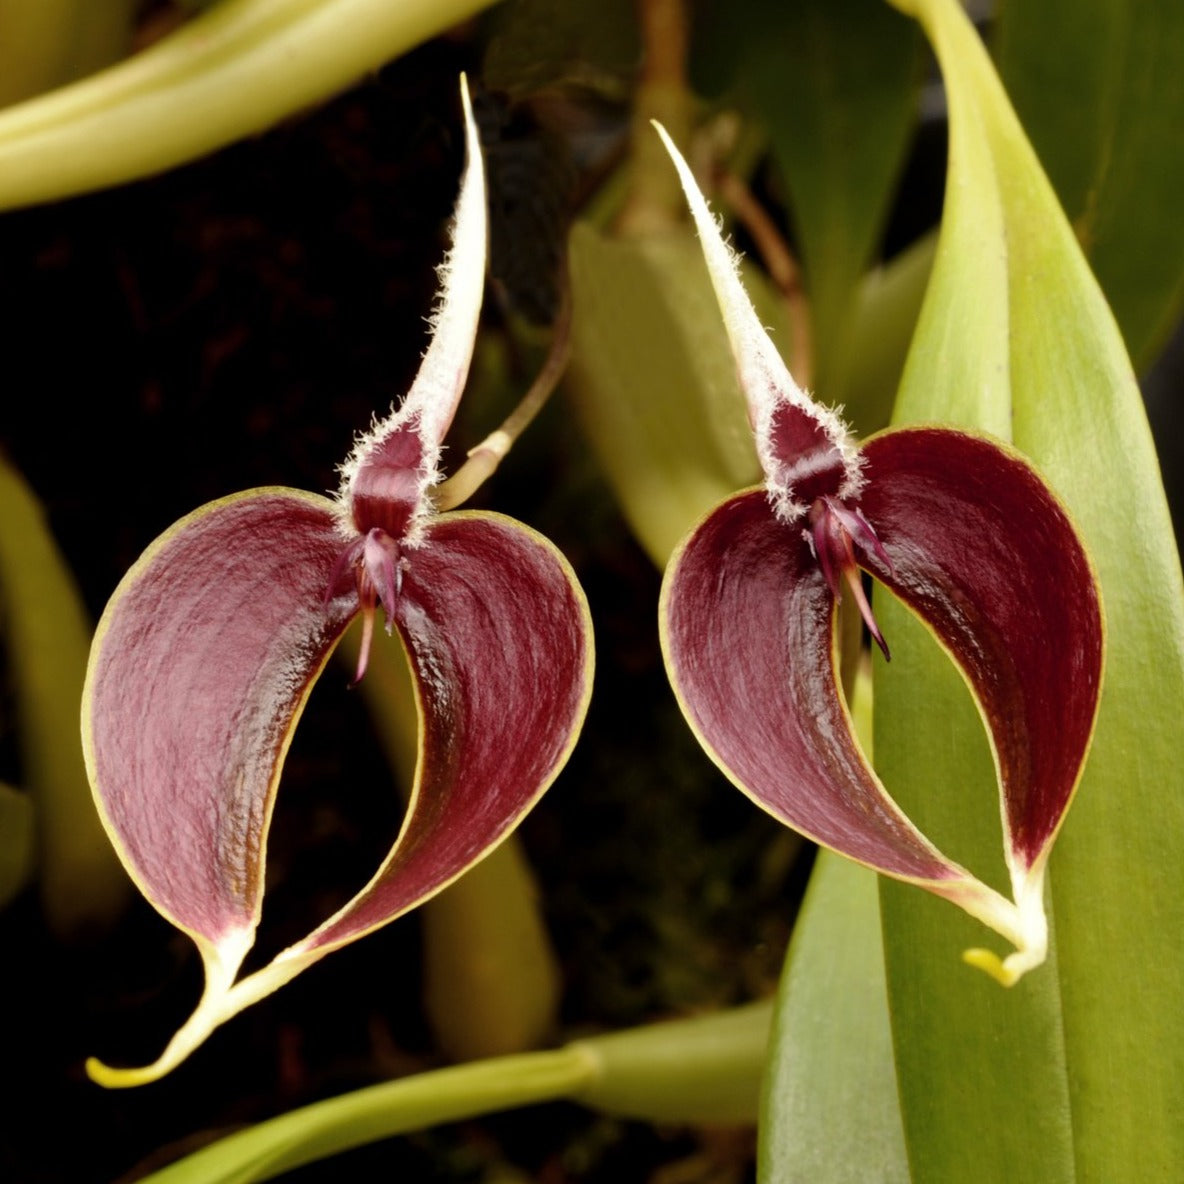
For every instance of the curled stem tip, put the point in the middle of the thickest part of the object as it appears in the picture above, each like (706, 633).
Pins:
(1023, 923)
(1005, 971)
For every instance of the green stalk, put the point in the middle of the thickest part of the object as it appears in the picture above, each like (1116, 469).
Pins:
(234, 70)
(706, 1069)
(381, 1111)
(702, 1070)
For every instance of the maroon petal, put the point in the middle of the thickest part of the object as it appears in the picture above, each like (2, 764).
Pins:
(748, 638)
(499, 638)
(188, 729)
(199, 670)
(987, 557)
(983, 552)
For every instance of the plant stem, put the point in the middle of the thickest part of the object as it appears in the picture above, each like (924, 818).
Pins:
(707, 1069)
(393, 1108)
(47, 43)
(484, 459)
(655, 201)
(236, 69)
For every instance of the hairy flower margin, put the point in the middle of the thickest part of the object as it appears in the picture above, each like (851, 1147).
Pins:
(208, 650)
(959, 527)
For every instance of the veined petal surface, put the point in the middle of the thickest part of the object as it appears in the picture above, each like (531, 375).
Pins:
(984, 553)
(207, 652)
(200, 668)
(500, 644)
(986, 556)
(747, 633)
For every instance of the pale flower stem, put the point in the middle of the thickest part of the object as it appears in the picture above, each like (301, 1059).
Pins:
(783, 269)
(704, 1069)
(217, 1004)
(484, 459)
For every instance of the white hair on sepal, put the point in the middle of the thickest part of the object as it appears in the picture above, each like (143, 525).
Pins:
(853, 462)
(764, 376)
(430, 403)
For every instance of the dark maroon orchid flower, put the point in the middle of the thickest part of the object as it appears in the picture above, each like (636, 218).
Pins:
(961, 529)
(208, 650)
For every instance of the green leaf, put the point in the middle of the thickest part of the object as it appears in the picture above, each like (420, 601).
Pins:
(835, 83)
(830, 1110)
(46, 639)
(1104, 114)
(654, 382)
(1078, 1073)
(884, 316)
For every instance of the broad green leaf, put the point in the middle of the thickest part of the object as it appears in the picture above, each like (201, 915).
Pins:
(829, 1109)
(46, 638)
(978, 1066)
(654, 382)
(1078, 1073)
(835, 83)
(884, 316)
(1104, 114)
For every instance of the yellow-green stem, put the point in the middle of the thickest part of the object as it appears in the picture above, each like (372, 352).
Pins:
(483, 460)
(234, 70)
(706, 1069)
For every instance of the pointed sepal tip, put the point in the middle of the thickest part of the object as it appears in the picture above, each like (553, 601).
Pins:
(805, 449)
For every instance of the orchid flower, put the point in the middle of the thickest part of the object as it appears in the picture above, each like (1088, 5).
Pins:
(959, 527)
(210, 646)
